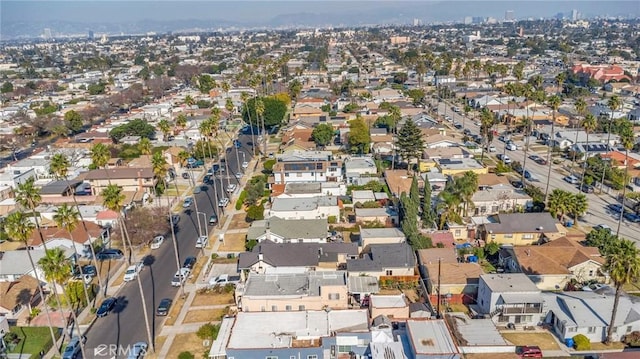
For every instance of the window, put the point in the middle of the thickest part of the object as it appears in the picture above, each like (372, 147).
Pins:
(301, 308)
(334, 296)
(344, 348)
(389, 272)
(263, 309)
(457, 233)
(271, 357)
(274, 308)
(286, 174)
(591, 273)
(571, 329)
(287, 308)
(591, 330)
(629, 328)
(527, 236)
(299, 174)
(508, 235)
(312, 356)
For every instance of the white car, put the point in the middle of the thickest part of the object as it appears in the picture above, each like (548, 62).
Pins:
(245, 164)
(202, 241)
(571, 179)
(223, 202)
(132, 271)
(231, 187)
(157, 242)
(180, 277)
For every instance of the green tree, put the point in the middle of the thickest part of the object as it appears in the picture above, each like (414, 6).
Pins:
(322, 134)
(359, 136)
(274, 111)
(627, 139)
(145, 146)
(602, 239)
(6, 87)
(294, 89)
(614, 103)
(160, 169)
(100, 155)
(19, 228)
(428, 214)
(73, 121)
(165, 127)
(181, 121)
(589, 124)
(137, 127)
(206, 83)
(466, 187)
(28, 197)
(414, 193)
(559, 203)
(623, 266)
(409, 142)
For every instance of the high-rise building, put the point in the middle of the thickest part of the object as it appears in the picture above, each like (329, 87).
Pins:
(478, 19)
(468, 20)
(509, 15)
(575, 15)
(46, 34)
(90, 36)
(417, 22)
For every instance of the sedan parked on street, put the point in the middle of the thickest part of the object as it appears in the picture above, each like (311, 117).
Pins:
(164, 306)
(106, 306)
(157, 242)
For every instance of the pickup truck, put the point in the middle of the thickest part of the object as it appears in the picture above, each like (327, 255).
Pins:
(223, 279)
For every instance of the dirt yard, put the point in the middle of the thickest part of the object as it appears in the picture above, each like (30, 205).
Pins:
(544, 340)
(238, 221)
(174, 311)
(212, 299)
(186, 342)
(204, 315)
(233, 242)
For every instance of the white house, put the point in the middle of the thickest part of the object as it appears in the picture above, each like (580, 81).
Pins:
(304, 208)
(279, 230)
(509, 298)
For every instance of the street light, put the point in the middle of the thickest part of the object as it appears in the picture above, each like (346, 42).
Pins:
(204, 215)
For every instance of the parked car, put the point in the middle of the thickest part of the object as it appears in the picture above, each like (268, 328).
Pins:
(202, 241)
(138, 350)
(108, 254)
(197, 189)
(132, 271)
(504, 158)
(189, 262)
(213, 220)
(599, 227)
(180, 276)
(517, 184)
(587, 188)
(231, 187)
(223, 202)
(157, 242)
(89, 269)
(222, 280)
(174, 218)
(511, 146)
(72, 349)
(492, 148)
(615, 207)
(245, 165)
(238, 175)
(106, 306)
(185, 175)
(632, 217)
(571, 179)
(164, 306)
(187, 202)
(529, 352)
(541, 161)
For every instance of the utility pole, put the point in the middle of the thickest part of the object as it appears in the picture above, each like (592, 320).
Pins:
(438, 290)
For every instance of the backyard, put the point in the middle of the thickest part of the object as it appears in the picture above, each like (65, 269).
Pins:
(31, 340)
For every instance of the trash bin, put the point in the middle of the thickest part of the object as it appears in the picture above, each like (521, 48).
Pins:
(569, 342)
(568, 224)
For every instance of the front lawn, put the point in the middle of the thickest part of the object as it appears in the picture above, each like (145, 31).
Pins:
(33, 340)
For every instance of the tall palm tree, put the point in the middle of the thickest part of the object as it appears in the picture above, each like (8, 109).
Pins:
(244, 96)
(581, 107)
(28, 197)
(486, 123)
(627, 140)
(260, 113)
(114, 200)
(100, 155)
(145, 146)
(589, 124)
(554, 102)
(449, 208)
(19, 228)
(188, 100)
(59, 166)
(466, 186)
(623, 265)
(165, 127)
(526, 121)
(57, 269)
(181, 121)
(67, 217)
(614, 103)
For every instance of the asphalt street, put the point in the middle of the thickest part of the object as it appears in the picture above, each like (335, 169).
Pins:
(125, 325)
(597, 212)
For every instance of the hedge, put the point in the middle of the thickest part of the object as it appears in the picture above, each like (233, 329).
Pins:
(581, 343)
(240, 200)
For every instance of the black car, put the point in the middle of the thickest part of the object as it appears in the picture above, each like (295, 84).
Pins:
(517, 184)
(185, 175)
(586, 188)
(90, 270)
(189, 262)
(163, 307)
(107, 254)
(106, 306)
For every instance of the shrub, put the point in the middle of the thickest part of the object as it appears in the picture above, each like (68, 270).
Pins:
(632, 339)
(240, 201)
(268, 165)
(186, 355)
(581, 342)
(214, 255)
(250, 244)
(255, 213)
(208, 331)
(332, 219)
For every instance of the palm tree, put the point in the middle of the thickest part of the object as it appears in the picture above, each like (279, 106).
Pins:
(581, 107)
(113, 199)
(614, 103)
(487, 122)
(28, 197)
(627, 140)
(59, 166)
(188, 100)
(159, 165)
(449, 208)
(554, 102)
(466, 186)
(245, 97)
(526, 121)
(589, 124)
(181, 121)
(183, 156)
(205, 130)
(67, 217)
(165, 127)
(559, 203)
(19, 228)
(57, 269)
(623, 266)
(260, 113)
(100, 155)
(145, 146)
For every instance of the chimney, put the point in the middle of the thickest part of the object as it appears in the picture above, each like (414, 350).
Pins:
(260, 257)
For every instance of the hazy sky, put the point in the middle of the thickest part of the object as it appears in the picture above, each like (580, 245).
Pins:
(108, 11)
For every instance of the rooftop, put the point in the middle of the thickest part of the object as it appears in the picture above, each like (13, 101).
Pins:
(522, 223)
(381, 233)
(303, 204)
(430, 337)
(474, 332)
(509, 283)
(298, 229)
(396, 255)
(294, 284)
(294, 254)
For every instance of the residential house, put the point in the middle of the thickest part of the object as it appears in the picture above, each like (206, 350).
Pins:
(268, 256)
(429, 339)
(299, 334)
(603, 73)
(391, 306)
(500, 199)
(589, 314)
(384, 260)
(456, 281)
(10, 180)
(369, 236)
(362, 196)
(509, 298)
(307, 171)
(15, 264)
(279, 230)
(439, 141)
(478, 336)
(297, 190)
(398, 182)
(385, 215)
(356, 168)
(79, 237)
(273, 292)
(17, 298)
(135, 182)
(304, 208)
(553, 265)
(40, 166)
(449, 167)
(520, 228)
